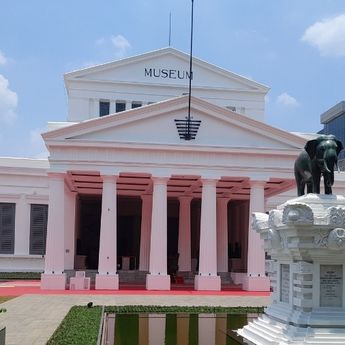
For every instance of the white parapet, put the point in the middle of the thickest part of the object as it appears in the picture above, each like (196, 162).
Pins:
(305, 239)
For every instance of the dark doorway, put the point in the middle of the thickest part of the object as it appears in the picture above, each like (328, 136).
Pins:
(128, 232)
(128, 240)
(89, 231)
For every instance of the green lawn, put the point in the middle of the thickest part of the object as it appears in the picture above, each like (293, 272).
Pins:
(5, 298)
(20, 275)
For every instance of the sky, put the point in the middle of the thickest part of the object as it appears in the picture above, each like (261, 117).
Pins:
(296, 47)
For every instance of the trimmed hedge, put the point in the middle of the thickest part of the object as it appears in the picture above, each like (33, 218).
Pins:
(80, 326)
(20, 275)
(183, 309)
(5, 298)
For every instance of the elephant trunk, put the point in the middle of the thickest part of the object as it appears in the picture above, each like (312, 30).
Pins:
(329, 163)
(325, 167)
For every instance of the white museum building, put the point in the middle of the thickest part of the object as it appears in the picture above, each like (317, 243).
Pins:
(133, 185)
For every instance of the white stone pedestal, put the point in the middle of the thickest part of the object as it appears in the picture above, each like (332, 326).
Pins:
(107, 282)
(207, 283)
(251, 283)
(158, 282)
(50, 281)
(305, 238)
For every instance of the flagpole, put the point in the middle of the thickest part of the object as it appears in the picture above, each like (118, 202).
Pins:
(190, 72)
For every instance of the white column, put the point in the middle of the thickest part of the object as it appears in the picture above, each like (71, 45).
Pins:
(70, 209)
(146, 213)
(112, 107)
(107, 277)
(53, 277)
(184, 235)
(207, 278)
(256, 279)
(22, 229)
(222, 234)
(158, 279)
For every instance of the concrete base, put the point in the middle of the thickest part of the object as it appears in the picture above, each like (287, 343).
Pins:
(157, 282)
(267, 331)
(53, 281)
(256, 283)
(107, 282)
(211, 283)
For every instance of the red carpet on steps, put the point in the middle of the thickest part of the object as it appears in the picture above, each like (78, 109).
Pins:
(24, 287)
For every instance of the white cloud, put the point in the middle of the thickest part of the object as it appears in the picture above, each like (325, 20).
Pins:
(328, 36)
(3, 59)
(286, 100)
(8, 102)
(119, 45)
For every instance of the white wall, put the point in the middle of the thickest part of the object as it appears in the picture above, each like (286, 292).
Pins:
(23, 182)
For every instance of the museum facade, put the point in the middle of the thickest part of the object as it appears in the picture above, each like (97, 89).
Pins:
(133, 183)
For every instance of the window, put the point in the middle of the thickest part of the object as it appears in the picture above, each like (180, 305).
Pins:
(136, 104)
(120, 106)
(38, 229)
(104, 108)
(7, 222)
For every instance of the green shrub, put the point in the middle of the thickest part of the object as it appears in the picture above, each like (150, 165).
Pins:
(5, 298)
(20, 275)
(79, 327)
(181, 309)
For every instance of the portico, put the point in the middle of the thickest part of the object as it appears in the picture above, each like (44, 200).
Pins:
(159, 204)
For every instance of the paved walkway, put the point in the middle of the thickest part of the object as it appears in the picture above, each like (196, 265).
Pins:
(32, 319)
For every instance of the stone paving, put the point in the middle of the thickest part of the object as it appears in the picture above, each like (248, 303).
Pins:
(32, 319)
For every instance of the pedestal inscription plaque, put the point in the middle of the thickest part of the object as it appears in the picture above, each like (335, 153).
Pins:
(285, 283)
(331, 286)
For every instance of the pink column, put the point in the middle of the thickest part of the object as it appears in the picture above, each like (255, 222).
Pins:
(70, 209)
(146, 213)
(158, 279)
(53, 276)
(256, 279)
(207, 278)
(184, 235)
(107, 277)
(222, 234)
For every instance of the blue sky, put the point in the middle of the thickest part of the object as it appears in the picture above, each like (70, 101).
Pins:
(296, 47)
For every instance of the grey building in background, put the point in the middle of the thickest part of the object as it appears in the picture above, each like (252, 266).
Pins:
(333, 121)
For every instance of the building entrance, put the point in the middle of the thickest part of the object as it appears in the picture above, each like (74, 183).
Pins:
(87, 239)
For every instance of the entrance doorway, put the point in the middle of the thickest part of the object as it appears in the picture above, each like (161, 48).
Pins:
(88, 233)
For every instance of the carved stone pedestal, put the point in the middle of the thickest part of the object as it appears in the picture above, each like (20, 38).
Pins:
(305, 239)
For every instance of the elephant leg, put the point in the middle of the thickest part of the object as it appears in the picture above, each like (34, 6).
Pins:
(328, 184)
(300, 188)
(316, 183)
(328, 190)
(309, 187)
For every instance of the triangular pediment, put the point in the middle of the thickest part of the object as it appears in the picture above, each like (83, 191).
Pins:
(155, 125)
(168, 67)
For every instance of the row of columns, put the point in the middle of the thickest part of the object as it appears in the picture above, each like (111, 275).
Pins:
(213, 255)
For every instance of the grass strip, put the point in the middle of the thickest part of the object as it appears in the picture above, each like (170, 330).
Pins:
(80, 326)
(181, 309)
(5, 298)
(20, 275)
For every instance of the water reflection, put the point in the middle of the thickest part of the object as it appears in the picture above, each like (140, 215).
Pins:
(173, 329)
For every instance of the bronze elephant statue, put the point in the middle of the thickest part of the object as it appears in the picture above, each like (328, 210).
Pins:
(319, 157)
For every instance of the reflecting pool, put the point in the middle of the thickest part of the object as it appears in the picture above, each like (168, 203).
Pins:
(174, 329)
